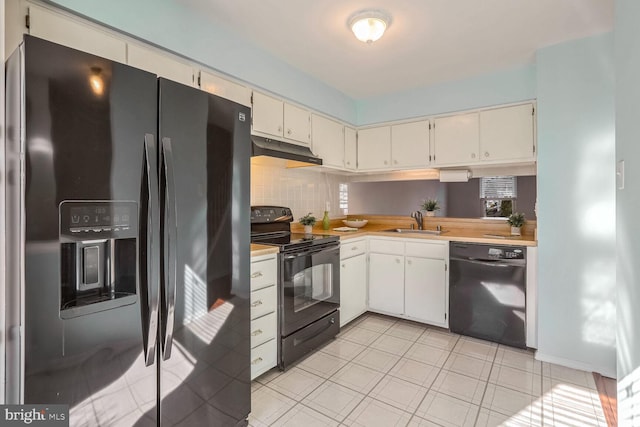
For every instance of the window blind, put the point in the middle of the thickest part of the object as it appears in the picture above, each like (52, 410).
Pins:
(498, 187)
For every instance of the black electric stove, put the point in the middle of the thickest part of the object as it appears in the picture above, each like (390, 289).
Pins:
(308, 282)
(271, 225)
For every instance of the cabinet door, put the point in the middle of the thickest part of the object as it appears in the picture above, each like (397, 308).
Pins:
(410, 145)
(425, 290)
(225, 88)
(374, 148)
(158, 63)
(297, 124)
(328, 140)
(386, 283)
(456, 139)
(507, 133)
(267, 114)
(68, 32)
(350, 148)
(353, 288)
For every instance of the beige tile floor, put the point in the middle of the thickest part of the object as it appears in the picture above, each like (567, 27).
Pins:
(382, 371)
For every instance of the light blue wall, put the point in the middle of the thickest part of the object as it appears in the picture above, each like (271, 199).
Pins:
(576, 204)
(627, 61)
(517, 84)
(174, 27)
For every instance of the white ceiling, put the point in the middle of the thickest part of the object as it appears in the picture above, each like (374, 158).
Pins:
(428, 41)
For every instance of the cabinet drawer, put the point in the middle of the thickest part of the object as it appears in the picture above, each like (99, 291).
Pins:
(263, 273)
(263, 301)
(263, 329)
(392, 247)
(349, 249)
(263, 358)
(426, 250)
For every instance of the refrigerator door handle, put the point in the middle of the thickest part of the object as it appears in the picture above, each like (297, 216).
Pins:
(152, 248)
(170, 246)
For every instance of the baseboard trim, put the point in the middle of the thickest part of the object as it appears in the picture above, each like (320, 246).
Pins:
(575, 364)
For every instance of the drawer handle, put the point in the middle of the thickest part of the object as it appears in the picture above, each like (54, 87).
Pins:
(256, 333)
(409, 261)
(354, 248)
(398, 260)
(257, 303)
(256, 275)
(256, 361)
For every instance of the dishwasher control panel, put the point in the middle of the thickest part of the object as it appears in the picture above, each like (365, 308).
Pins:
(505, 253)
(480, 251)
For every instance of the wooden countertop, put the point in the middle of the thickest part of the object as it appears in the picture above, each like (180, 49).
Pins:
(258, 250)
(454, 230)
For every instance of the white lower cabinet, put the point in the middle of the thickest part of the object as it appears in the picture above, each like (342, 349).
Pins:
(386, 283)
(425, 283)
(409, 279)
(264, 315)
(353, 280)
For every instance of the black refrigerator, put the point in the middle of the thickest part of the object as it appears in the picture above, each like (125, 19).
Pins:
(127, 243)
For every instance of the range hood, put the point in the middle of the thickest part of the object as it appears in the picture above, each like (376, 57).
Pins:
(302, 156)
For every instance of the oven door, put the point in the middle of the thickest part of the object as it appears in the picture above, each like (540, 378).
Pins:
(310, 286)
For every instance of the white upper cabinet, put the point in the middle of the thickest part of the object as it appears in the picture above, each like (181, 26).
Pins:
(268, 114)
(456, 139)
(68, 32)
(225, 88)
(159, 63)
(507, 133)
(297, 124)
(328, 141)
(374, 148)
(350, 148)
(410, 145)
(275, 117)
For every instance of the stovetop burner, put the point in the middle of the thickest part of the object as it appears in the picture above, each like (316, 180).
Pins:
(294, 240)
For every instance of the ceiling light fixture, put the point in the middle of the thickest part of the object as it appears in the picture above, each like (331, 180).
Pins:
(369, 25)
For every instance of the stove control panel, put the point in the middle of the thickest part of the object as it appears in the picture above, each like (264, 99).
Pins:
(270, 214)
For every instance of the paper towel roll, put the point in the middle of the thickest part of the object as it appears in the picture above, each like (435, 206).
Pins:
(457, 175)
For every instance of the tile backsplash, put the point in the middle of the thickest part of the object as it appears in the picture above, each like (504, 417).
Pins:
(301, 189)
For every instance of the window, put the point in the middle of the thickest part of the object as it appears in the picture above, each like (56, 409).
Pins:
(343, 192)
(498, 194)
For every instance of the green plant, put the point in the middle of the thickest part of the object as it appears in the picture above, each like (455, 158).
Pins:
(430, 205)
(308, 219)
(516, 219)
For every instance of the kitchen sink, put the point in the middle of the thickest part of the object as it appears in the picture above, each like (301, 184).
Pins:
(414, 231)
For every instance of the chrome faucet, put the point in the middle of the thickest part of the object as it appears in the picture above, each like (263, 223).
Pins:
(417, 215)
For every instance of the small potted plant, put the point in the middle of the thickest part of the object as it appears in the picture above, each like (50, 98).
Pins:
(431, 206)
(308, 221)
(516, 220)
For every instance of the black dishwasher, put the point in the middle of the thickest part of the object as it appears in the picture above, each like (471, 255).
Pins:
(487, 292)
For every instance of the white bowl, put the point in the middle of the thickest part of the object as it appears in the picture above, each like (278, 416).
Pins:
(356, 223)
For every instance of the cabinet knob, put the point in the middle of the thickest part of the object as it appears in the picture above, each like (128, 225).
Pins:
(288, 131)
(486, 154)
(279, 129)
(409, 261)
(395, 162)
(385, 162)
(473, 155)
(344, 266)
(348, 163)
(398, 260)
